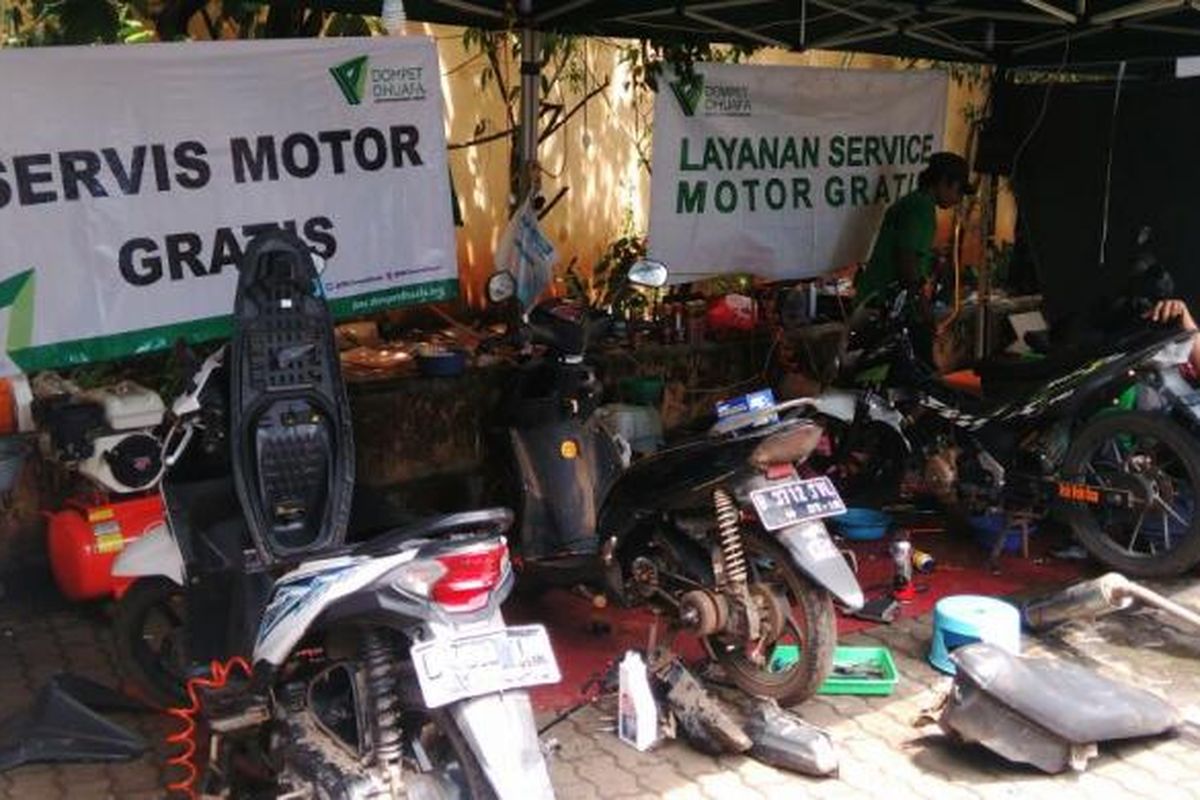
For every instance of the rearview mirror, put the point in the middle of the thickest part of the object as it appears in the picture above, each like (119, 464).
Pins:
(501, 287)
(648, 272)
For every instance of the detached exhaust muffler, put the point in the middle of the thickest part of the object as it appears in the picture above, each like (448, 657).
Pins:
(1097, 597)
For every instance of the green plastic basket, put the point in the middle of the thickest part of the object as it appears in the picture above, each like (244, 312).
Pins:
(878, 658)
(642, 391)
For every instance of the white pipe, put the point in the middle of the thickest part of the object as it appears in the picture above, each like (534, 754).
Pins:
(1052, 10)
(1135, 10)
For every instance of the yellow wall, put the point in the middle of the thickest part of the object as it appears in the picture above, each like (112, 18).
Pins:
(594, 154)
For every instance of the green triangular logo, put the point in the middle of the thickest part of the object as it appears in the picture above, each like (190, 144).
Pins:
(17, 292)
(351, 77)
(688, 92)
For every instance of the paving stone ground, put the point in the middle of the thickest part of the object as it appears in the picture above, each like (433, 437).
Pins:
(881, 753)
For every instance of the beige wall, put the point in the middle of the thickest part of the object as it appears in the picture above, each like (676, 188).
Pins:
(594, 155)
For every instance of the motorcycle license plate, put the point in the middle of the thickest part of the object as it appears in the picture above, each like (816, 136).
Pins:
(798, 501)
(452, 669)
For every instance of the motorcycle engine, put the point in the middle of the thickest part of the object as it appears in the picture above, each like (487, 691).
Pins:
(941, 473)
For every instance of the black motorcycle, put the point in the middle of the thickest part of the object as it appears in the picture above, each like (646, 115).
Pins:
(1103, 438)
(719, 532)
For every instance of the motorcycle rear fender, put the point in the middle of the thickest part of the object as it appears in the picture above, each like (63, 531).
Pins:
(842, 405)
(814, 553)
(499, 728)
(501, 732)
(154, 553)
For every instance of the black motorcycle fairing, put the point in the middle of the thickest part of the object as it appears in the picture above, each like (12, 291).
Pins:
(546, 391)
(61, 728)
(566, 468)
(1040, 711)
(675, 479)
(567, 328)
(1106, 373)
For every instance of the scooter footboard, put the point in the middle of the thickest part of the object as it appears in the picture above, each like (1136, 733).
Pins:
(502, 734)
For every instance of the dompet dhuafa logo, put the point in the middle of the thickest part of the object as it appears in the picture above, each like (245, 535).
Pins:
(358, 79)
(712, 100)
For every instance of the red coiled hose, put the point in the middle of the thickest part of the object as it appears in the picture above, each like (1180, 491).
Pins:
(186, 737)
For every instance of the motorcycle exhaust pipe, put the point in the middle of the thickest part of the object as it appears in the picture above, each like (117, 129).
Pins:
(1094, 598)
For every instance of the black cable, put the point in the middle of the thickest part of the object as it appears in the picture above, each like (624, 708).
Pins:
(1112, 141)
(1023, 219)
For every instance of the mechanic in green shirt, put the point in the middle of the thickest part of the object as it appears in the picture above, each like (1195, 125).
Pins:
(903, 252)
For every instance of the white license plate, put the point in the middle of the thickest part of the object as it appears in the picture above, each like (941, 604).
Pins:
(468, 666)
(797, 501)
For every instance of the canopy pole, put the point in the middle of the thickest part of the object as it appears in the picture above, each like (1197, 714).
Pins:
(527, 179)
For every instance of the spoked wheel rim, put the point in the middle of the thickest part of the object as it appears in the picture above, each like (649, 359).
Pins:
(1160, 480)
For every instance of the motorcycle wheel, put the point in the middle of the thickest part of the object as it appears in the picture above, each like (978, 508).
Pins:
(449, 754)
(149, 631)
(810, 628)
(1157, 461)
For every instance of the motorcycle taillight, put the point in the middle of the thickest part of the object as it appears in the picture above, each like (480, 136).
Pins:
(471, 575)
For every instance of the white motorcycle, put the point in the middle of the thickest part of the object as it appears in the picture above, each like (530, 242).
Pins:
(377, 670)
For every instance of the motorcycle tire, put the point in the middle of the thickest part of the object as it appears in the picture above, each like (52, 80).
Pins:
(476, 782)
(1083, 519)
(813, 608)
(146, 669)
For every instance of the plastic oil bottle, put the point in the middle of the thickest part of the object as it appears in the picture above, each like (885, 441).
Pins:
(637, 713)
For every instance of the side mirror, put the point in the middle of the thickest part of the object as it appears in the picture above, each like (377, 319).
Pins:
(648, 272)
(501, 287)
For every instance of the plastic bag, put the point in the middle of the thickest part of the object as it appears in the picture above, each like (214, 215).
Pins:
(526, 252)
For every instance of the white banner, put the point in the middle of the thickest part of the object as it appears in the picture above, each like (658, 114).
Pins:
(131, 178)
(785, 172)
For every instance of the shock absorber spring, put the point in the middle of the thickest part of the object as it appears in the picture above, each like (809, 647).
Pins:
(729, 537)
(379, 661)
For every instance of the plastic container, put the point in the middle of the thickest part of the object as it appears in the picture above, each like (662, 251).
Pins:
(641, 426)
(862, 524)
(986, 527)
(637, 713)
(964, 619)
(875, 658)
(441, 363)
(642, 391)
(128, 405)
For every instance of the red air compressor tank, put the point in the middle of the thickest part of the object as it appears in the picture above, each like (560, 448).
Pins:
(84, 539)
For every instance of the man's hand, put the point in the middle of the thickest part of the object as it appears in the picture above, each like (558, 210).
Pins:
(1168, 310)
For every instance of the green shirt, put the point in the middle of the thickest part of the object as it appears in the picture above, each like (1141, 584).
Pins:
(909, 224)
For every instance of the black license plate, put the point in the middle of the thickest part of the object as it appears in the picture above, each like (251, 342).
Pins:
(797, 501)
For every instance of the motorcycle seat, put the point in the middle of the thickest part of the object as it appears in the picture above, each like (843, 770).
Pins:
(489, 521)
(1066, 699)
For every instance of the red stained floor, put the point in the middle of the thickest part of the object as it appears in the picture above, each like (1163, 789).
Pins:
(961, 569)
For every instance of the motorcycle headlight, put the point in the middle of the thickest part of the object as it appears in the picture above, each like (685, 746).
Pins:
(792, 446)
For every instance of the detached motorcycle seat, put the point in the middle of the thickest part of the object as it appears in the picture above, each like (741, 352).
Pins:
(291, 440)
(1045, 712)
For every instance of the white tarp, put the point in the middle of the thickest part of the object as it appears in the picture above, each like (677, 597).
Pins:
(785, 171)
(131, 177)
